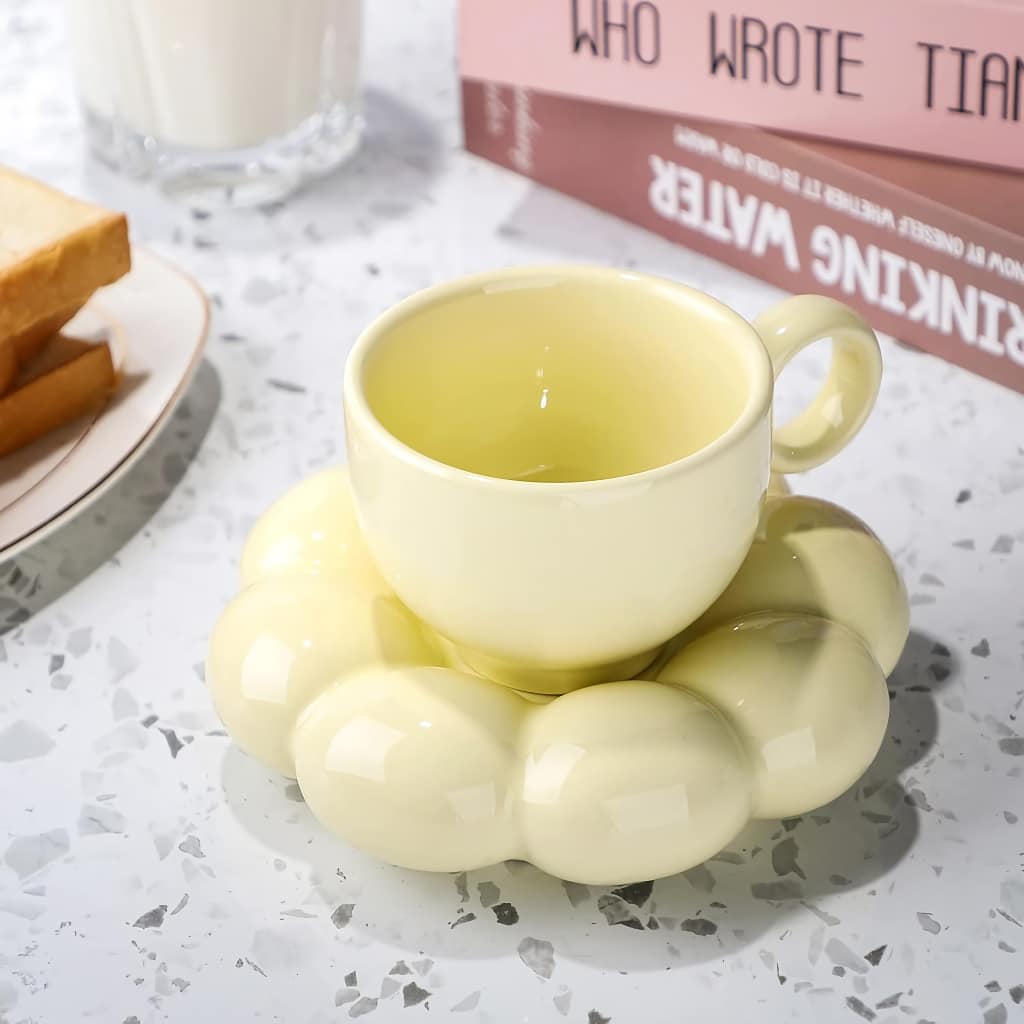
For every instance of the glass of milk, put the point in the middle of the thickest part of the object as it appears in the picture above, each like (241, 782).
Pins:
(229, 101)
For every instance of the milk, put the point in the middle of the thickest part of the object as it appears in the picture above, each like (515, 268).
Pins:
(214, 74)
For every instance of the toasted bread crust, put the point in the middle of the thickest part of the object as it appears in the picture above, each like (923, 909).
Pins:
(28, 343)
(63, 275)
(57, 397)
(8, 365)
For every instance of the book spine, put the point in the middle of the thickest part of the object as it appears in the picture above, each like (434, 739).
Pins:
(767, 205)
(939, 77)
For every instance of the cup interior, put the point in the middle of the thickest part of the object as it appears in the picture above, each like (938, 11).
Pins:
(552, 377)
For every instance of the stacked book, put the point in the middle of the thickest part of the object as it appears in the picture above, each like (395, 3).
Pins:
(873, 152)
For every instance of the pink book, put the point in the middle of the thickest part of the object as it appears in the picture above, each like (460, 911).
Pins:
(932, 254)
(938, 77)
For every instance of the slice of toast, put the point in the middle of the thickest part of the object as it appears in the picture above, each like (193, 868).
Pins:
(55, 251)
(66, 380)
(29, 343)
(8, 365)
(20, 349)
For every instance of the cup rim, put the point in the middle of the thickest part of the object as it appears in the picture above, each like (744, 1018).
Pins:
(755, 353)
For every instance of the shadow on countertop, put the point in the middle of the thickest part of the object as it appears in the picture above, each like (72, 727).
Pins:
(394, 169)
(32, 580)
(772, 871)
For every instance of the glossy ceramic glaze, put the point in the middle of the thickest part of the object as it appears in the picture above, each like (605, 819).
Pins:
(322, 674)
(586, 451)
(812, 556)
(816, 716)
(303, 624)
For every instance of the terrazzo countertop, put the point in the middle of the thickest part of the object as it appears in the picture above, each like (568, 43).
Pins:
(150, 872)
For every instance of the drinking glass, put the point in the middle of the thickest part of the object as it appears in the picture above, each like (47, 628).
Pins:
(236, 102)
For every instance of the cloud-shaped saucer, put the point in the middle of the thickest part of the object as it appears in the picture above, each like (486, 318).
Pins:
(772, 704)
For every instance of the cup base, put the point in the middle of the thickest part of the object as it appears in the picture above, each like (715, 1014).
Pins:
(549, 681)
(251, 176)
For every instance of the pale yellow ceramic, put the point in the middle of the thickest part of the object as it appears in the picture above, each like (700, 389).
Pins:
(559, 469)
(317, 670)
(815, 557)
(815, 716)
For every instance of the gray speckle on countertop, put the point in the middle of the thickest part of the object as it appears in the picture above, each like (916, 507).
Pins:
(576, 893)
(839, 953)
(151, 918)
(471, 1002)
(489, 893)
(100, 820)
(22, 741)
(25, 855)
(342, 915)
(150, 871)
(363, 1006)
(192, 846)
(121, 659)
(538, 955)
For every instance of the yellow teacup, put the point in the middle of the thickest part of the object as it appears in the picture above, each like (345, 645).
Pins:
(560, 468)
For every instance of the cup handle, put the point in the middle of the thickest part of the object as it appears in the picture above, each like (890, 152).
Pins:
(848, 394)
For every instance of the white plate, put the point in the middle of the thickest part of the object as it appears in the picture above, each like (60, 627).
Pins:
(23, 469)
(156, 317)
